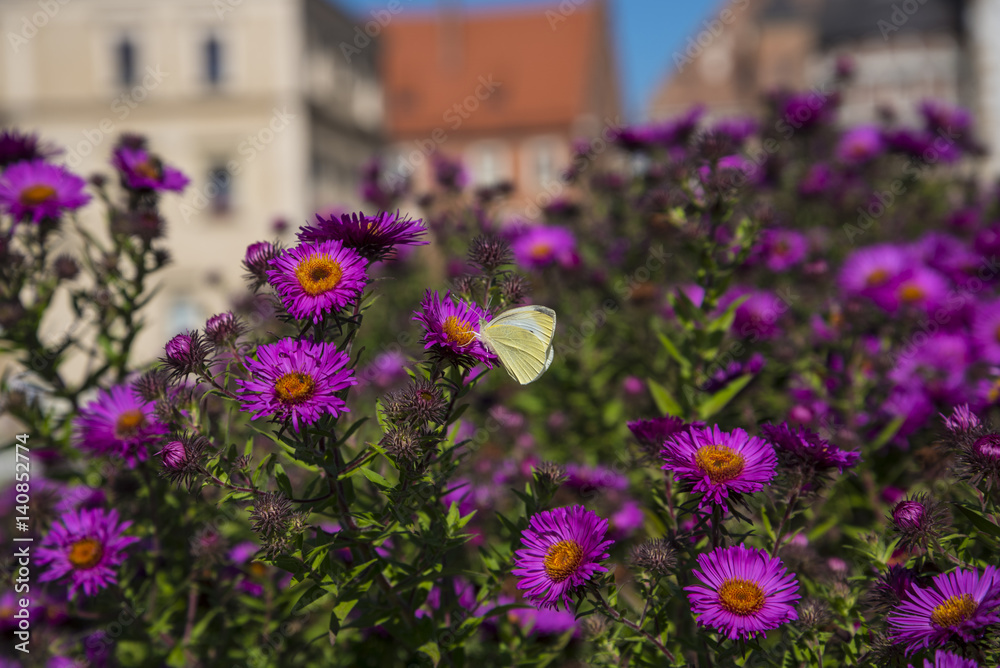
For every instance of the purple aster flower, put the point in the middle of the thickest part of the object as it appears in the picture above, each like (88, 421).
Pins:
(936, 366)
(372, 237)
(783, 249)
(757, 317)
(801, 446)
(313, 279)
(85, 547)
(743, 592)
(944, 659)
(380, 188)
(118, 424)
(873, 271)
(297, 380)
(257, 261)
(961, 420)
(922, 145)
(627, 520)
(535, 622)
(668, 134)
(142, 171)
(860, 145)
(956, 605)
(718, 462)
(16, 146)
(452, 327)
(449, 173)
(817, 180)
(737, 130)
(652, 433)
(562, 548)
(804, 111)
(223, 328)
(920, 288)
(939, 115)
(587, 479)
(539, 246)
(986, 330)
(35, 190)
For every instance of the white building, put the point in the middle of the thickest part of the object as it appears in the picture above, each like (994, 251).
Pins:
(254, 100)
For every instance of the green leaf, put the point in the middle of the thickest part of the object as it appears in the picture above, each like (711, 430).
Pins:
(375, 478)
(887, 432)
(977, 519)
(719, 400)
(675, 353)
(284, 484)
(432, 650)
(665, 402)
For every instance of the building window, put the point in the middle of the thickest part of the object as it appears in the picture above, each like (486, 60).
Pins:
(213, 61)
(183, 315)
(220, 189)
(125, 59)
(545, 163)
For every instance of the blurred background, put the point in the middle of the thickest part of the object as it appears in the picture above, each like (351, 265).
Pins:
(274, 108)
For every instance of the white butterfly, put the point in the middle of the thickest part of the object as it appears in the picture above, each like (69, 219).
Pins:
(522, 339)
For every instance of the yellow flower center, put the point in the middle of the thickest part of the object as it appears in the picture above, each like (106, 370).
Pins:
(85, 554)
(257, 569)
(541, 251)
(719, 462)
(781, 247)
(37, 194)
(148, 169)
(911, 293)
(562, 560)
(458, 331)
(318, 274)
(295, 387)
(877, 277)
(955, 610)
(129, 423)
(741, 597)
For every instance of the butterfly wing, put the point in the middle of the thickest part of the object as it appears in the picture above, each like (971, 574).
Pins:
(522, 339)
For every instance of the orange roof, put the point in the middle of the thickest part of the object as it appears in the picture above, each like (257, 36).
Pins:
(540, 58)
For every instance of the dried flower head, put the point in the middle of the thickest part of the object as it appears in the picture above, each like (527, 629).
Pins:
(271, 519)
(65, 267)
(890, 589)
(551, 473)
(403, 444)
(814, 614)
(466, 284)
(514, 288)
(152, 385)
(656, 556)
(490, 253)
(223, 329)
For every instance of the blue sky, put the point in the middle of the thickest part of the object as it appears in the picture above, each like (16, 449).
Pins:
(646, 34)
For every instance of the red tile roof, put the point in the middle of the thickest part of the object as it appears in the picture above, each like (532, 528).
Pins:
(541, 58)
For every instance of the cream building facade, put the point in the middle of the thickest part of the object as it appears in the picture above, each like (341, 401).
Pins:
(254, 100)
